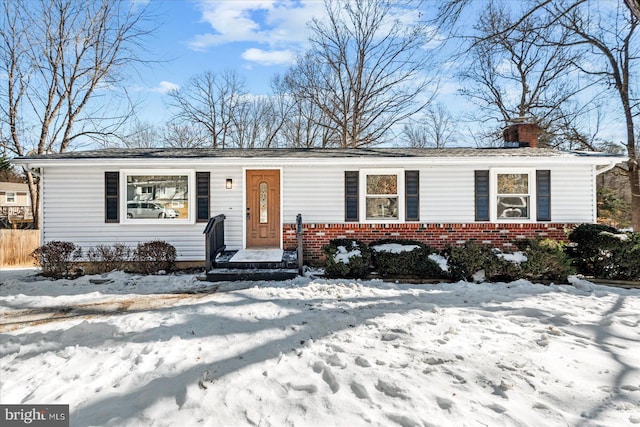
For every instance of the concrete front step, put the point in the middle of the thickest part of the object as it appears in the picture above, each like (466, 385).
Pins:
(225, 260)
(239, 274)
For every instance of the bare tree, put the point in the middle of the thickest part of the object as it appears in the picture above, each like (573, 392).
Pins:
(607, 38)
(57, 57)
(364, 69)
(604, 34)
(520, 70)
(256, 123)
(304, 123)
(211, 101)
(140, 134)
(580, 128)
(181, 135)
(435, 130)
(634, 7)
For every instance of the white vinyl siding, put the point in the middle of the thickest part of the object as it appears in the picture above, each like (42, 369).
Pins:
(73, 210)
(229, 202)
(318, 196)
(73, 199)
(447, 194)
(573, 194)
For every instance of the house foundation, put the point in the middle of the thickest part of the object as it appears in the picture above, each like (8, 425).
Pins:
(438, 236)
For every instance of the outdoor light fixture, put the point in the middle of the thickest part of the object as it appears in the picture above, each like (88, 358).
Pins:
(229, 184)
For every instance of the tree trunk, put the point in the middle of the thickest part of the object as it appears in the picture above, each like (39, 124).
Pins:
(34, 194)
(634, 181)
(634, 170)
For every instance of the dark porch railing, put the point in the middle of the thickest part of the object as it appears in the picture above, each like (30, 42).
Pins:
(300, 248)
(214, 239)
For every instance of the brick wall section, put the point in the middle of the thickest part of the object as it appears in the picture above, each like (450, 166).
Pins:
(437, 236)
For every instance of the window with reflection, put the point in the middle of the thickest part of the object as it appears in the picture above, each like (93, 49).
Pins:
(381, 198)
(513, 195)
(161, 197)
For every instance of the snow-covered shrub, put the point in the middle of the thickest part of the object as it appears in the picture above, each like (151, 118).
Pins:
(605, 252)
(545, 260)
(404, 258)
(346, 258)
(152, 257)
(587, 249)
(467, 260)
(56, 259)
(105, 258)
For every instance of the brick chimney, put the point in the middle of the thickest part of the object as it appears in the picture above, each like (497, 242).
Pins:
(522, 132)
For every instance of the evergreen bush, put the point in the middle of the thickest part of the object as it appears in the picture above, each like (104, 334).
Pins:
(414, 262)
(467, 260)
(546, 260)
(605, 252)
(587, 249)
(356, 254)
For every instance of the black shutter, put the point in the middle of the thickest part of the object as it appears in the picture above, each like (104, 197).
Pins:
(482, 195)
(543, 196)
(111, 197)
(412, 195)
(202, 196)
(351, 183)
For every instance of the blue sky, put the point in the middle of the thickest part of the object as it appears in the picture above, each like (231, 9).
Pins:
(255, 38)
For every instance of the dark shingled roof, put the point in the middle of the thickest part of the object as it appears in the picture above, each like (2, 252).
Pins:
(189, 153)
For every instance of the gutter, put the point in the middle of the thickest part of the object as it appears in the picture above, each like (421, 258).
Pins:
(515, 161)
(31, 170)
(605, 168)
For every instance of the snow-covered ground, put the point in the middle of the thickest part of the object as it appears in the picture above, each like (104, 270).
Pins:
(130, 351)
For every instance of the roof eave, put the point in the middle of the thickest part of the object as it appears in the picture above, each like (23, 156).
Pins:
(577, 159)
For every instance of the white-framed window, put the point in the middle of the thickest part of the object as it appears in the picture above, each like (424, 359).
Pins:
(11, 197)
(513, 195)
(157, 196)
(382, 195)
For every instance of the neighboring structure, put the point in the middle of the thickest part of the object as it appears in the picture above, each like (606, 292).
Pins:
(15, 203)
(438, 196)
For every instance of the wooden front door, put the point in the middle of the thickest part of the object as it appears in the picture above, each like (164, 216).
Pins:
(263, 209)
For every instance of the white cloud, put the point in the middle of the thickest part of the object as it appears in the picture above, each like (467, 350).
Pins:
(268, 57)
(165, 87)
(449, 87)
(277, 23)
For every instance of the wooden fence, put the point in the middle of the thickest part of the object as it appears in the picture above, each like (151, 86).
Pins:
(16, 245)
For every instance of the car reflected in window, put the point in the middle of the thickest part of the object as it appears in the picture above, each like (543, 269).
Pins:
(146, 210)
